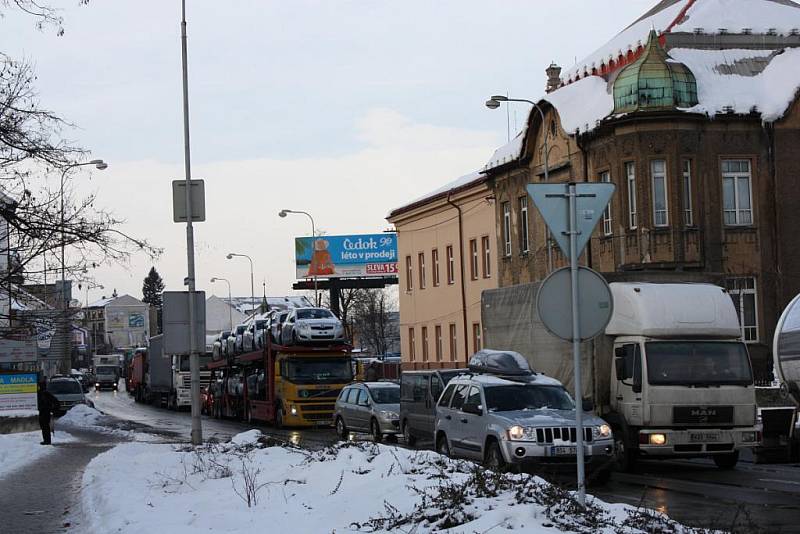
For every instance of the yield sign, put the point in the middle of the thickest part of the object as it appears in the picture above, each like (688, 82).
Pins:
(553, 200)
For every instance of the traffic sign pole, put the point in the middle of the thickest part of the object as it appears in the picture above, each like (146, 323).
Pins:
(576, 340)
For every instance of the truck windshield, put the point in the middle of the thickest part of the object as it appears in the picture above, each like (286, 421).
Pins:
(107, 371)
(698, 363)
(527, 397)
(311, 371)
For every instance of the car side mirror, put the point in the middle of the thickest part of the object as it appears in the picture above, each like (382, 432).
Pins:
(588, 405)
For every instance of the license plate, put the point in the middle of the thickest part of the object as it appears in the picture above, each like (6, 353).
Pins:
(563, 451)
(700, 437)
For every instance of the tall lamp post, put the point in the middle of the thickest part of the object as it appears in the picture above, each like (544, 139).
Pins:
(283, 214)
(230, 299)
(494, 103)
(66, 360)
(232, 255)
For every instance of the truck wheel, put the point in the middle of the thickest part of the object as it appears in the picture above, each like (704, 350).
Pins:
(726, 461)
(442, 447)
(626, 456)
(375, 430)
(410, 438)
(341, 428)
(279, 417)
(494, 457)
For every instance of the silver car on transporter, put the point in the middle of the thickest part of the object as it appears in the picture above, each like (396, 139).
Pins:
(368, 407)
(502, 414)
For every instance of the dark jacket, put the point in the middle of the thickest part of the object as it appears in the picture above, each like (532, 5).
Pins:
(46, 403)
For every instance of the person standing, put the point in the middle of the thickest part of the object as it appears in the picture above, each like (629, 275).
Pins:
(46, 404)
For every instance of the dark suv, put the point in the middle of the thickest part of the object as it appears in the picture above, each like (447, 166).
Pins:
(419, 391)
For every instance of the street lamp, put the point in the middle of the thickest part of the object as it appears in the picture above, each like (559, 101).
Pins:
(282, 214)
(65, 356)
(232, 255)
(230, 299)
(494, 103)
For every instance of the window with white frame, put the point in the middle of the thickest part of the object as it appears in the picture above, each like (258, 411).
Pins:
(524, 243)
(507, 228)
(737, 199)
(658, 175)
(688, 215)
(745, 299)
(451, 265)
(605, 177)
(487, 257)
(630, 173)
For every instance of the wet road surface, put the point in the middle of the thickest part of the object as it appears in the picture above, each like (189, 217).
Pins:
(750, 498)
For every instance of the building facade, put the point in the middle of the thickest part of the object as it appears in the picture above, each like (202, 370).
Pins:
(706, 179)
(447, 253)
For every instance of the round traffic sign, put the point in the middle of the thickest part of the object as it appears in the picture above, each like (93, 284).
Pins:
(595, 303)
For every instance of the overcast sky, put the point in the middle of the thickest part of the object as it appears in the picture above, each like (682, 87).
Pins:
(345, 109)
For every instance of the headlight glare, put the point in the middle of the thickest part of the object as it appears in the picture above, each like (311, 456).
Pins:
(516, 432)
(603, 431)
(657, 439)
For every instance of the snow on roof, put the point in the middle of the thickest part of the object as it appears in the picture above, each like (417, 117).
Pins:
(511, 151)
(770, 92)
(581, 104)
(628, 39)
(462, 181)
(759, 16)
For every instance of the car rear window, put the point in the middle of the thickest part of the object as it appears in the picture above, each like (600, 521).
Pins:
(448, 394)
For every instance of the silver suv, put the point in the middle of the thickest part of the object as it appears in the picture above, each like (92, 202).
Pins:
(517, 417)
(372, 407)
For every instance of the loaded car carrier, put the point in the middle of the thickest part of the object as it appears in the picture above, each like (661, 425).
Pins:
(292, 386)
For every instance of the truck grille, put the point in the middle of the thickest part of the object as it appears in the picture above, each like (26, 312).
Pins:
(322, 416)
(547, 435)
(702, 415)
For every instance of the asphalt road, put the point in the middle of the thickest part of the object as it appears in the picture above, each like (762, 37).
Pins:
(750, 498)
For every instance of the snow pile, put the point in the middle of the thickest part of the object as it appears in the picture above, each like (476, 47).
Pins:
(246, 438)
(19, 413)
(455, 184)
(770, 92)
(351, 487)
(81, 415)
(581, 104)
(19, 450)
(759, 16)
(510, 151)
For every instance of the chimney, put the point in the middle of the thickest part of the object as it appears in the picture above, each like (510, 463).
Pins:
(553, 77)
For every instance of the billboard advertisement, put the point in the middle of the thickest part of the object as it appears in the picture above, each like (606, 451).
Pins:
(18, 391)
(340, 256)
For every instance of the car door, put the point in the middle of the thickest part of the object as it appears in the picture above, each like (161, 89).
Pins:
(433, 390)
(342, 406)
(470, 424)
(627, 388)
(449, 420)
(286, 330)
(361, 410)
(417, 412)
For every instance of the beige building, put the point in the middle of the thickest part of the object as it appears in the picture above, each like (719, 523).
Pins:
(446, 250)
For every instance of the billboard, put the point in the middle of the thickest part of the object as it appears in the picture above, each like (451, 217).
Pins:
(18, 391)
(342, 256)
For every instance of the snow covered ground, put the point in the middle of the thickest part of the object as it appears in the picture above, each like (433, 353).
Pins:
(21, 449)
(254, 482)
(19, 413)
(82, 416)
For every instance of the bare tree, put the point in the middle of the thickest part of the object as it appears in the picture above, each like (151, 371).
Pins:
(372, 319)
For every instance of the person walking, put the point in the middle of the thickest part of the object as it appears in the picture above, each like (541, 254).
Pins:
(47, 404)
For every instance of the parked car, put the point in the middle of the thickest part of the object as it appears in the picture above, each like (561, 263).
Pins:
(68, 391)
(254, 337)
(276, 325)
(368, 407)
(419, 392)
(84, 380)
(311, 325)
(520, 418)
(219, 347)
(235, 340)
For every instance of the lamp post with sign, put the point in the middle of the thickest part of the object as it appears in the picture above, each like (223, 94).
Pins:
(571, 212)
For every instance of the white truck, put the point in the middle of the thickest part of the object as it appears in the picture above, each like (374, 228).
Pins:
(671, 374)
(167, 378)
(779, 417)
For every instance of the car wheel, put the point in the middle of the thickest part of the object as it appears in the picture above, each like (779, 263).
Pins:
(410, 438)
(494, 457)
(375, 430)
(726, 461)
(341, 428)
(442, 447)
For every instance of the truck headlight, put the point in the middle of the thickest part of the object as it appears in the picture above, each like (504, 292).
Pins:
(602, 431)
(293, 410)
(750, 436)
(657, 439)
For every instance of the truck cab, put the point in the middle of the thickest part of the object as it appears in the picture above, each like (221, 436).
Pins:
(681, 380)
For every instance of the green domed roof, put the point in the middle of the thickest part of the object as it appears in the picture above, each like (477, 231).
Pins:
(654, 83)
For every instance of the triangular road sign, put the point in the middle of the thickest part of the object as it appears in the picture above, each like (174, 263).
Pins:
(552, 201)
